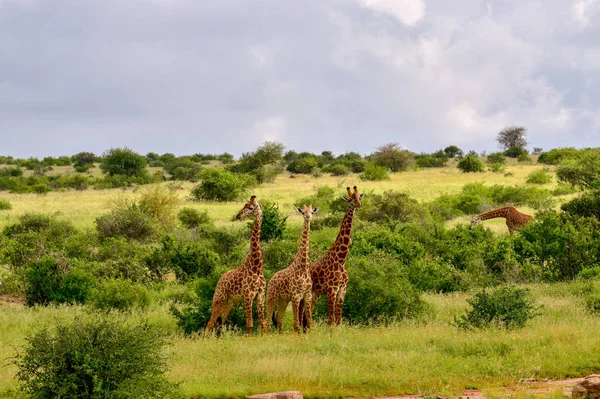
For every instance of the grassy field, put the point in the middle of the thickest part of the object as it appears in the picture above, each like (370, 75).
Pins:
(429, 356)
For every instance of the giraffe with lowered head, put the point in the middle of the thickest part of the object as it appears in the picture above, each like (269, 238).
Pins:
(244, 283)
(514, 219)
(329, 276)
(292, 283)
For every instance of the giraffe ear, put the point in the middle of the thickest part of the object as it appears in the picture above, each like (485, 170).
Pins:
(315, 210)
(361, 196)
(300, 211)
(345, 198)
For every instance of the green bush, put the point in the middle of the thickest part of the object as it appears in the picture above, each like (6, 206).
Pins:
(470, 164)
(377, 292)
(375, 238)
(374, 173)
(159, 203)
(587, 205)
(192, 218)
(124, 162)
(589, 273)
(391, 207)
(391, 157)
(430, 161)
(303, 165)
(130, 221)
(47, 282)
(539, 177)
(557, 155)
(83, 169)
(84, 159)
(11, 172)
(583, 171)
(118, 258)
(273, 222)
(119, 295)
(524, 158)
(322, 199)
(515, 152)
(445, 207)
(222, 185)
(94, 357)
(505, 307)
(435, 276)
(592, 302)
(5, 205)
(336, 169)
(496, 158)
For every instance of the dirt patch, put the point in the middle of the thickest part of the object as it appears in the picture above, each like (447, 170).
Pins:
(11, 300)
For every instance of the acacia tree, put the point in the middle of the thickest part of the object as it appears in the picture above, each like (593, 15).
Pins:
(513, 136)
(392, 157)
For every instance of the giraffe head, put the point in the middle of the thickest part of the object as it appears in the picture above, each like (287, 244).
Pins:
(353, 198)
(307, 212)
(251, 208)
(475, 221)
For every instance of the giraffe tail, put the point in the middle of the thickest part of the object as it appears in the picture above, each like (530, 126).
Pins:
(302, 316)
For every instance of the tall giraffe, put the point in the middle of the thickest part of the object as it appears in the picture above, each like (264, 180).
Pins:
(292, 283)
(514, 219)
(329, 276)
(244, 283)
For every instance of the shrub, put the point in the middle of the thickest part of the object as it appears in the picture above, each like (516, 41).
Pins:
(505, 307)
(273, 222)
(322, 199)
(192, 218)
(496, 158)
(119, 295)
(431, 161)
(524, 158)
(337, 170)
(83, 159)
(435, 276)
(589, 273)
(94, 357)
(583, 171)
(587, 205)
(515, 152)
(5, 205)
(496, 167)
(391, 156)
(11, 172)
(592, 302)
(453, 151)
(47, 283)
(377, 292)
(374, 173)
(303, 165)
(391, 206)
(539, 177)
(124, 162)
(82, 169)
(316, 173)
(130, 221)
(556, 155)
(470, 164)
(222, 185)
(159, 203)
(445, 207)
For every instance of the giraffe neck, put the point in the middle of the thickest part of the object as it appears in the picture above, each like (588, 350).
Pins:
(497, 213)
(302, 256)
(255, 256)
(341, 245)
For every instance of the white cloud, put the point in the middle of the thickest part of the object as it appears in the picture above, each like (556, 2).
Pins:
(409, 12)
(584, 9)
(272, 128)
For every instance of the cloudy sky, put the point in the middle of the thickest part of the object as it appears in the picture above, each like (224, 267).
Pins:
(188, 76)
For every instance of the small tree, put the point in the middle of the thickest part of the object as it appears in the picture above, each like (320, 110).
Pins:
(453, 151)
(83, 159)
(123, 161)
(392, 157)
(583, 171)
(469, 164)
(222, 185)
(269, 152)
(513, 136)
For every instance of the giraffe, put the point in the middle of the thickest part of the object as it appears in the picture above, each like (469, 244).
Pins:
(244, 283)
(329, 276)
(292, 283)
(514, 219)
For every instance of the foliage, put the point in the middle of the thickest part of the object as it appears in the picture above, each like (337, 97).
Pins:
(84, 159)
(453, 151)
(322, 198)
(592, 302)
(391, 207)
(131, 221)
(303, 165)
(557, 155)
(391, 156)
(192, 218)
(94, 357)
(435, 276)
(374, 173)
(431, 161)
(222, 185)
(5, 205)
(470, 163)
(124, 162)
(269, 152)
(273, 222)
(517, 152)
(496, 158)
(336, 169)
(583, 171)
(539, 177)
(159, 203)
(586, 205)
(11, 172)
(183, 169)
(506, 307)
(121, 295)
(47, 283)
(524, 158)
(513, 136)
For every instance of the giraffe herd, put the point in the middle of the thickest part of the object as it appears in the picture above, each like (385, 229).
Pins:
(302, 283)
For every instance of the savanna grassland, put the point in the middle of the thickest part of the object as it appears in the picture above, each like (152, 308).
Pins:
(426, 354)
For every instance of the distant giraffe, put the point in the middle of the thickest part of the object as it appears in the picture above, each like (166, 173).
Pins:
(293, 283)
(244, 283)
(514, 219)
(329, 276)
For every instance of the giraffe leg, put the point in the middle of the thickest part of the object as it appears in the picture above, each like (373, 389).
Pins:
(226, 310)
(338, 305)
(331, 297)
(295, 311)
(308, 310)
(217, 306)
(270, 310)
(307, 313)
(248, 309)
(260, 309)
(281, 306)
